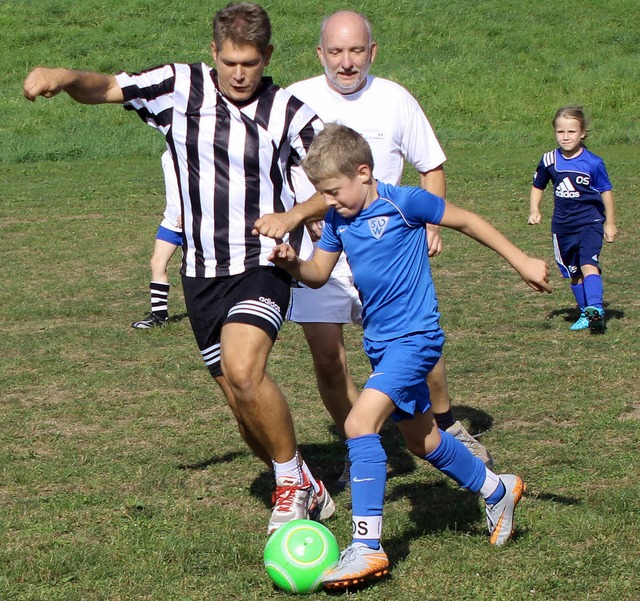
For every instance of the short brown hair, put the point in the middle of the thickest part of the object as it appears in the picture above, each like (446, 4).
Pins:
(242, 23)
(337, 151)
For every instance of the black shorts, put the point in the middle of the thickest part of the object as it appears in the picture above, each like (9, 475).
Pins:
(259, 297)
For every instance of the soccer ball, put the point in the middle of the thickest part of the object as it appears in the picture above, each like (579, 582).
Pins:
(298, 554)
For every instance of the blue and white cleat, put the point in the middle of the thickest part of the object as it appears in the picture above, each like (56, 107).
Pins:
(595, 315)
(581, 324)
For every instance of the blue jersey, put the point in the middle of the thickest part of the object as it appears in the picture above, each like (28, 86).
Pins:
(578, 185)
(386, 246)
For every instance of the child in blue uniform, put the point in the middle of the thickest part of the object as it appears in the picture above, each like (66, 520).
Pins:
(382, 230)
(583, 212)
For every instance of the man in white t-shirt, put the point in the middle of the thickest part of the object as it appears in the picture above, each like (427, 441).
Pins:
(168, 240)
(395, 126)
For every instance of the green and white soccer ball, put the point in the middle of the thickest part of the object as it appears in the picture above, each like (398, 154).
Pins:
(298, 554)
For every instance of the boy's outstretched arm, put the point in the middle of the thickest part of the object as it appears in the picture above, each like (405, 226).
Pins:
(535, 199)
(313, 273)
(533, 271)
(85, 87)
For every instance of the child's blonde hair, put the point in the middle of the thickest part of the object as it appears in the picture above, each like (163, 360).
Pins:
(573, 111)
(337, 151)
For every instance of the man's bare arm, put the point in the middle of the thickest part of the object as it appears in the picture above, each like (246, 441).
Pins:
(85, 87)
(276, 225)
(434, 181)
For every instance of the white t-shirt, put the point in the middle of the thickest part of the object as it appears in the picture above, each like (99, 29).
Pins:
(387, 116)
(172, 210)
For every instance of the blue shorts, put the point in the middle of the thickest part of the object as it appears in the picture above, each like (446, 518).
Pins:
(400, 369)
(571, 250)
(169, 236)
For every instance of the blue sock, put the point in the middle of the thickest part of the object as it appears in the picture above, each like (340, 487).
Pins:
(578, 293)
(593, 290)
(368, 479)
(496, 495)
(452, 458)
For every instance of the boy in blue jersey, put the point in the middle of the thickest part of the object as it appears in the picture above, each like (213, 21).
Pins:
(382, 230)
(583, 213)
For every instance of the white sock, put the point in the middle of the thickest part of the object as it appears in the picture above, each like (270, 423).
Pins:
(491, 483)
(289, 469)
(309, 475)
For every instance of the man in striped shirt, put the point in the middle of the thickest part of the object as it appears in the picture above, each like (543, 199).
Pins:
(233, 136)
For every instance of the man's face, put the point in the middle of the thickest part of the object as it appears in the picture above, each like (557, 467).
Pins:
(240, 69)
(346, 53)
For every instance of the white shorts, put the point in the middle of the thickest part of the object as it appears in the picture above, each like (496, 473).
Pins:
(336, 302)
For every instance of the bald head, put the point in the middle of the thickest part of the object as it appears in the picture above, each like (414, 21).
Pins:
(346, 51)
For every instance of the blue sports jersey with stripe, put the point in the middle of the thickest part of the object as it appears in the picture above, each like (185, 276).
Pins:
(578, 185)
(386, 246)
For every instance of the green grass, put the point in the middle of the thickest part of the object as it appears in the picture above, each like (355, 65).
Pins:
(122, 475)
(488, 73)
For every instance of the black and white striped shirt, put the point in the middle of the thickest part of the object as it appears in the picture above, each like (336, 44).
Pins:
(232, 162)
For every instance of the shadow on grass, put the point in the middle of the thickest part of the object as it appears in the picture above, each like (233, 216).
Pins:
(560, 499)
(571, 314)
(434, 507)
(203, 465)
(479, 422)
(177, 318)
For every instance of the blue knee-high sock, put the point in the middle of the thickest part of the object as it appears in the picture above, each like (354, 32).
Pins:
(578, 293)
(368, 479)
(452, 458)
(593, 290)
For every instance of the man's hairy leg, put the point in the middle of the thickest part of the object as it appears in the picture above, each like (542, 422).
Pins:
(266, 422)
(247, 436)
(336, 388)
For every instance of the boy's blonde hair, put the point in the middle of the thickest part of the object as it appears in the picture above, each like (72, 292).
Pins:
(337, 151)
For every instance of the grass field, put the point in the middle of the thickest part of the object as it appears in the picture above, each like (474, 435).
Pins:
(122, 475)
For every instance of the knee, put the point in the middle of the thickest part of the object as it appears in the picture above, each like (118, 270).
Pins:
(242, 383)
(355, 426)
(243, 380)
(416, 447)
(330, 366)
(157, 265)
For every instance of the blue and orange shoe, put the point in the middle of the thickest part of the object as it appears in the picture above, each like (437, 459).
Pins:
(358, 564)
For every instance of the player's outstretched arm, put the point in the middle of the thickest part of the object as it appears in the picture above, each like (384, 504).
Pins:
(85, 87)
(276, 225)
(535, 198)
(313, 273)
(533, 271)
